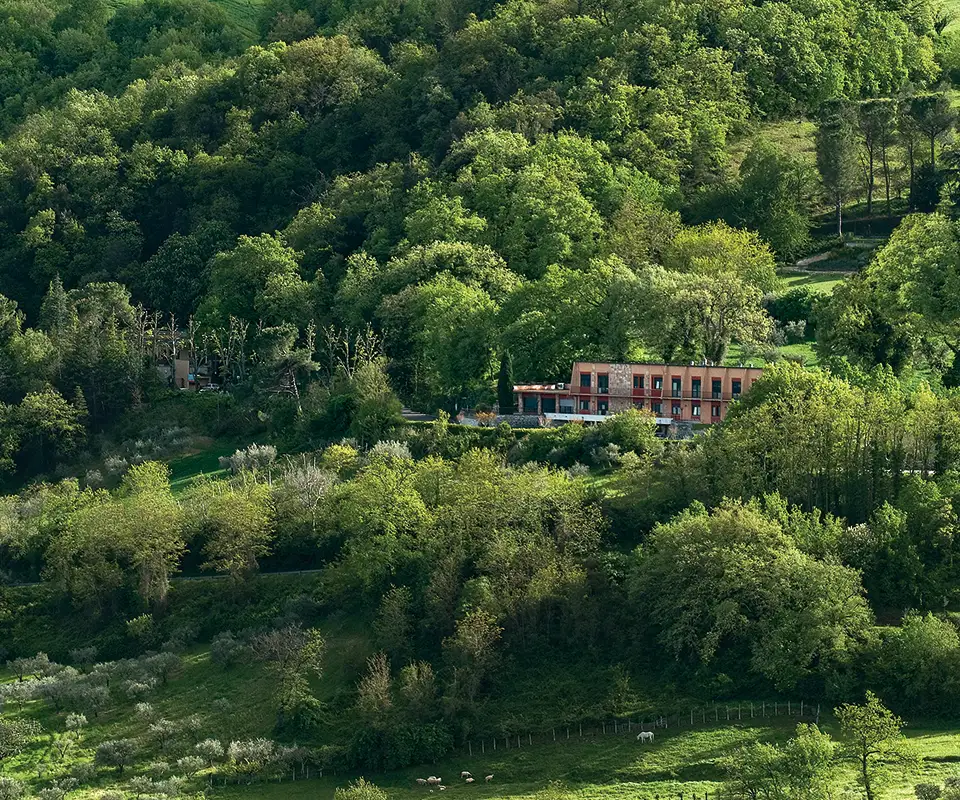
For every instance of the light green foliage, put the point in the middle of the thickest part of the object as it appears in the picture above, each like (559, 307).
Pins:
(875, 744)
(822, 467)
(717, 249)
(803, 768)
(455, 335)
(236, 523)
(360, 789)
(574, 313)
(706, 312)
(903, 304)
(140, 529)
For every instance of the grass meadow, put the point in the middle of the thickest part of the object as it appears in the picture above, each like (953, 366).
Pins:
(236, 703)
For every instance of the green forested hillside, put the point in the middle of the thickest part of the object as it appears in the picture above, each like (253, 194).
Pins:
(238, 239)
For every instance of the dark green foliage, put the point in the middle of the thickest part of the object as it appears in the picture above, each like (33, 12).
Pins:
(400, 745)
(916, 663)
(794, 305)
(505, 397)
(728, 590)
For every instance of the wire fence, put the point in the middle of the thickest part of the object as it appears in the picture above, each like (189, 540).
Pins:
(618, 726)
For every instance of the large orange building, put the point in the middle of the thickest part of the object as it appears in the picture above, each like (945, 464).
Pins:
(689, 393)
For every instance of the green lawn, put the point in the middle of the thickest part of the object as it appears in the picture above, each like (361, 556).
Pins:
(801, 350)
(820, 282)
(952, 7)
(793, 136)
(186, 469)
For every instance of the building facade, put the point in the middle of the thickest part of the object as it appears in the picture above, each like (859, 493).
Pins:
(675, 393)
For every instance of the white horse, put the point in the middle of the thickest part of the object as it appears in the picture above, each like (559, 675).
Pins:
(645, 737)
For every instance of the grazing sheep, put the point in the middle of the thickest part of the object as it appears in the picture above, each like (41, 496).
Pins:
(465, 774)
(469, 780)
(433, 780)
(441, 788)
(488, 778)
(421, 781)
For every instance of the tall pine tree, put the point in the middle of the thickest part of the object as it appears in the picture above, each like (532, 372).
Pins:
(838, 155)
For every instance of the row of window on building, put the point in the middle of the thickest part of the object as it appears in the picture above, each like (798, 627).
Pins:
(676, 388)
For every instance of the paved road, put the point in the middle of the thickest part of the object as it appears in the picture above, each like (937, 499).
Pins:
(416, 416)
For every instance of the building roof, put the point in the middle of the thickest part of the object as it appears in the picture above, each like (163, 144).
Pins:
(539, 387)
(670, 364)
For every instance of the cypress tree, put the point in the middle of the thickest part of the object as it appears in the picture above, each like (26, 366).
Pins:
(505, 385)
